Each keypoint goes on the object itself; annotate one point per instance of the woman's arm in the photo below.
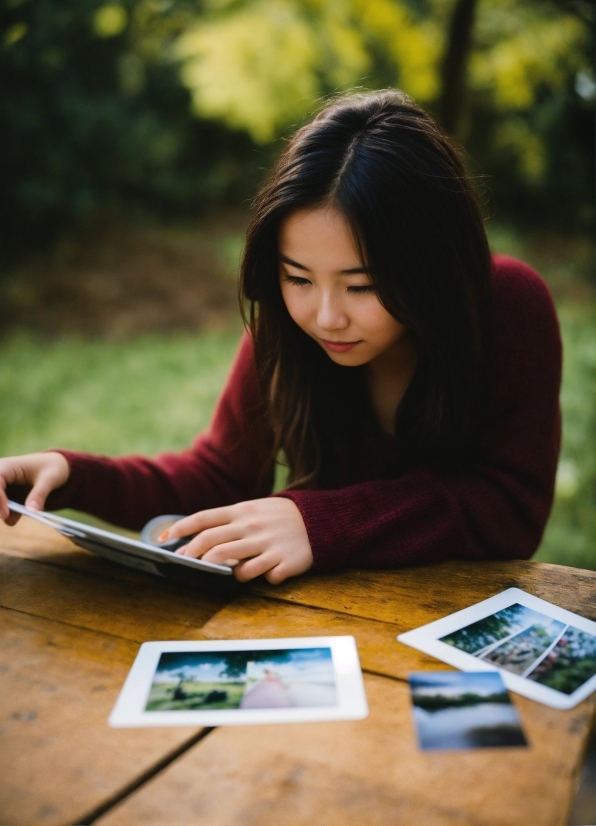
(496, 509)
(226, 464)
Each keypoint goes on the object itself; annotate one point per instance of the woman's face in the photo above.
(328, 293)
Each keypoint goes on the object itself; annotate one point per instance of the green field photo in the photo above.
(194, 696)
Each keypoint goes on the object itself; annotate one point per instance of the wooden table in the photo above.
(71, 627)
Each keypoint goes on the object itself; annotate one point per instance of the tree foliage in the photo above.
(93, 116)
(484, 632)
(265, 66)
(162, 103)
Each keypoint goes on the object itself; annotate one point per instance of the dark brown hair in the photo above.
(387, 167)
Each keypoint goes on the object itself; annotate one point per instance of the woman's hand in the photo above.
(266, 536)
(43, 471)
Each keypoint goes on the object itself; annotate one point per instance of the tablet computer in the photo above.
(131, 552)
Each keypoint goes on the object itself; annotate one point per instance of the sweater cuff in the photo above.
(328, 548)
(68, 495)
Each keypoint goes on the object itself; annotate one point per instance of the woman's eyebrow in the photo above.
(289, 261)
(352, 271)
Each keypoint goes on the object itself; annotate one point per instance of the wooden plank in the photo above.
(59, 758)
(365, 772)
(253, 618)
(155, 609)
(410, 597)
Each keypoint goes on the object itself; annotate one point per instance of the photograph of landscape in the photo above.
(462, 710)
(532, 645)
(210, 680)
(569, 664)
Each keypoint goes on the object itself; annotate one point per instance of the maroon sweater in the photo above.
(495, 509)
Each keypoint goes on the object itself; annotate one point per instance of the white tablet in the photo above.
(118, 548)
(241, 682)
(542, 651)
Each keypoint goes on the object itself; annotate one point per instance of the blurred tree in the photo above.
(93, 116)
(529, 122)
(453, 74)
(97, 97)
(265, 65)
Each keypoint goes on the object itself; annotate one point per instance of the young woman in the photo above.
(409, 382)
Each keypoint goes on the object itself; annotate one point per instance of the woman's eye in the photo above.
(295, 279)
(361, 288)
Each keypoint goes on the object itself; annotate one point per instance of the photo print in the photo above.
(530, 644)
(541, 650)
(243, 680)
(464, 710)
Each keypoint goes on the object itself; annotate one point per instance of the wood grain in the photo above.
(70, 630)
(365, 772)
(138, 611)
(59, 758)
(414, 596)
(379, 652)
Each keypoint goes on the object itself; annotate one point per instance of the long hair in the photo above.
(399, 181)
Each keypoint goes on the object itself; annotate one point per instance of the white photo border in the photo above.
(130, 711)
(427, 639)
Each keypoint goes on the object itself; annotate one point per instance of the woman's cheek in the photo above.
(297, 308)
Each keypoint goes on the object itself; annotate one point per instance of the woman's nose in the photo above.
(330, 314)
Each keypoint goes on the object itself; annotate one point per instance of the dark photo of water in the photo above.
(456, 710)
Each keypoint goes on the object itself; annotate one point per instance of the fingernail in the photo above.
(180, 552)
(33, 506)
(163, 537)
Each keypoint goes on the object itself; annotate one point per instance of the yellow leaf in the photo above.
(15, 33)
(109, 20)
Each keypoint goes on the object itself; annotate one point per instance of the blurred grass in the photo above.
(567, 265)
(146, 395)
(570, 537)
(156, 392)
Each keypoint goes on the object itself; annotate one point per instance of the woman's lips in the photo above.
(339, 346)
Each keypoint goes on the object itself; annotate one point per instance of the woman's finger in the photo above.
(5, 512)
(251, 568)
(197, 522)
(237, 549)
(277, 574)
(208, 539)
(44, 485)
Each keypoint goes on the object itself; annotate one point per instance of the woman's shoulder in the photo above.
(525, 326)
(515, 280)
(519, 293)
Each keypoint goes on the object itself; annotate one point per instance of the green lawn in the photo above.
(161, 696)
(155, 393)
(570, 536)
(150, 394)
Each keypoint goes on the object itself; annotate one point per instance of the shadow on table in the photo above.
(583, 812)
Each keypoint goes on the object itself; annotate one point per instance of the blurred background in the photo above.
(136, 132)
